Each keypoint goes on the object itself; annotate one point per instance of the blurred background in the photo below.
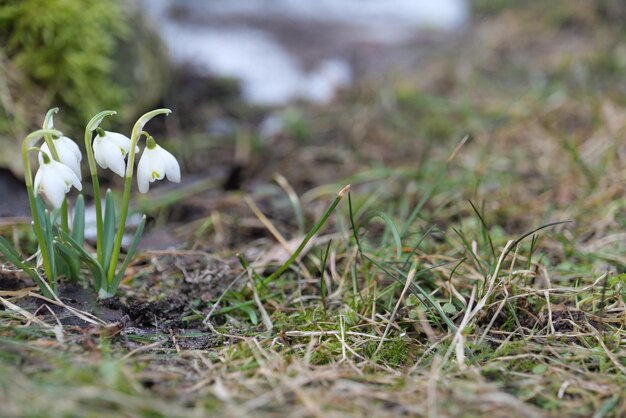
(311, 90)
(221, 66)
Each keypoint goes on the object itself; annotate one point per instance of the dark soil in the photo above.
(177, 290)
(170, 302)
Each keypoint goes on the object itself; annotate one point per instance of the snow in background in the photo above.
(229, 38)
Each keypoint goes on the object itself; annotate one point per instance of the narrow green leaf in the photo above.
(49, 237)
(70, 259)
(13, 256)
(78, 229)
(41, 211)
(96, 269)
(108, 229)
(129, 256)
(61, 267)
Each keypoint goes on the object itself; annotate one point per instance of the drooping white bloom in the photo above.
(54, 180)
(156, 163)
(110, 150)
(68, 151)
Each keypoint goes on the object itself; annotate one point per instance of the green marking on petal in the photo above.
(155, 175)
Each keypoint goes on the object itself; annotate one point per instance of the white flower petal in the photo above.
(43, 149)
(99, 149)
(38, 176)
(71, 146)
(69, 154)
(121, 141)
(172, 168)
(68, 151)
(68, 176)
(115, 161)
(108, 155)
(54, 188)
(54, 180)
(143, 173)
(155, 164)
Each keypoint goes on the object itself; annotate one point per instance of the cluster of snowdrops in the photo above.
(60, 230)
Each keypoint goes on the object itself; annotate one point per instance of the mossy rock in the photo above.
(80, 56)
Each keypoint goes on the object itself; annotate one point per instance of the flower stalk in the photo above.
(128, 182)
(93, 171)
(62, 251)
(27, 145)
(48, 124)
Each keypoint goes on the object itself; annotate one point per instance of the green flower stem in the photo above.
(128, 182)
(27, 143)
(93, 170)
(55, 155)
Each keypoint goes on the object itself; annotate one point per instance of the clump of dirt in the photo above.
(14, 280)
(175, 291)
(561, 318)
(162, 314)
(172, 293)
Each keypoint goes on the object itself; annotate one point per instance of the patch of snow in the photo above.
(268, 73)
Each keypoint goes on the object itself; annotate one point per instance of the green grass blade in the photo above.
(249, 310)
(237, 306)
(323, 290)
(245, 265)
(394, 232)
(355, 230)
(416, 246)
(527, 234)
(485, 230)
(308, 236)
(433, 186)
(418, 291)
(468, 247)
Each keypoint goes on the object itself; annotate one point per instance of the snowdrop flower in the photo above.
(54, 180)
(110, 150)
(68, 151)
(156, 163)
